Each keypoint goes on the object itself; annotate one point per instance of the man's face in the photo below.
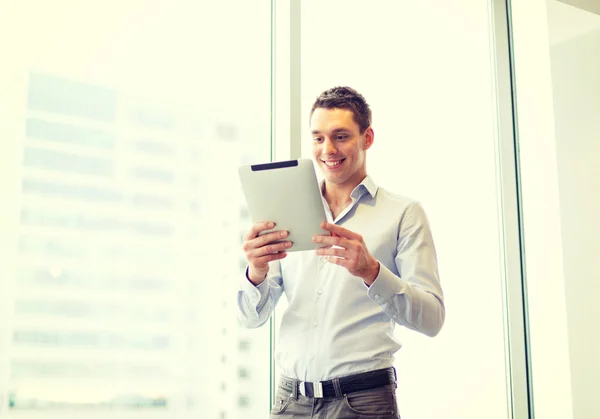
(338, 147)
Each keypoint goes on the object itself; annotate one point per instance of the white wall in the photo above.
(576, 88)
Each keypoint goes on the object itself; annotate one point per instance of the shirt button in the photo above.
(311, 358)
(320, 292)
(376, 296)
(315, 323)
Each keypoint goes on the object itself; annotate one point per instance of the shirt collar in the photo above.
(367, 185)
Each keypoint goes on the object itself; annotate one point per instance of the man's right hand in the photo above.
(259, 252)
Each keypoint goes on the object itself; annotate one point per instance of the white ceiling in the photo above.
(565, 21)
(589, 5)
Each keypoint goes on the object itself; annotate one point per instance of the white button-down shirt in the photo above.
(334, 324)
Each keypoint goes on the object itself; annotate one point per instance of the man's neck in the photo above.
(338, 196)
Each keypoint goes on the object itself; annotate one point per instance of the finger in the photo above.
(328, 240)
(341, 231)
(268, 238)
(335, 241)
(334, 251)
(270, 249)
(257, 228)
(263, 240)
(270, 258)
(338, 261)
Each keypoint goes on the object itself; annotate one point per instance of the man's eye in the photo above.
(317, 139)
(342, 137)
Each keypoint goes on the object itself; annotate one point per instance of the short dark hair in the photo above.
(344, 97)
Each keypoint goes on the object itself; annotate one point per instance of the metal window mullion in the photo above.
(295, 79)
(510, 200)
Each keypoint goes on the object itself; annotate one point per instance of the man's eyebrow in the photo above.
(336, 130)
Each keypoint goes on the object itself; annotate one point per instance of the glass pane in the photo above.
(425, 69)
(559, 114)
(121, 217)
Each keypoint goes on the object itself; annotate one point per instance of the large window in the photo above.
(122, 124)
(430, 86)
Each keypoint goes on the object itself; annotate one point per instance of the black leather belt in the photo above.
(349, 384)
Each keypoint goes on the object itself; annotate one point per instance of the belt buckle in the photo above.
(309, 389)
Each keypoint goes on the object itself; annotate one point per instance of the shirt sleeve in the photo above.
(415, 298)
(257, 302)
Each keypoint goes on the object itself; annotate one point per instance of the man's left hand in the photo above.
(351, 253)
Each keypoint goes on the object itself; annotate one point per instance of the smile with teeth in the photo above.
(333, 163)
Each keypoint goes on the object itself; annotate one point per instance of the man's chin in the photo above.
(335, 179)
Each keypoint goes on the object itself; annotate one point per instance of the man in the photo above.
(375, 270)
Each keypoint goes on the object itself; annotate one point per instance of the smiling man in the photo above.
(376, 270)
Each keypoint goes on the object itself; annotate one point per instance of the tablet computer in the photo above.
(288, 194)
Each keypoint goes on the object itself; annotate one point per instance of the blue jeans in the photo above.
(377, 403)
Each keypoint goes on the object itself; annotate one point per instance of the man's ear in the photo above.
(369, 138)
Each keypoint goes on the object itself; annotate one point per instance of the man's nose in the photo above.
(329, 147)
